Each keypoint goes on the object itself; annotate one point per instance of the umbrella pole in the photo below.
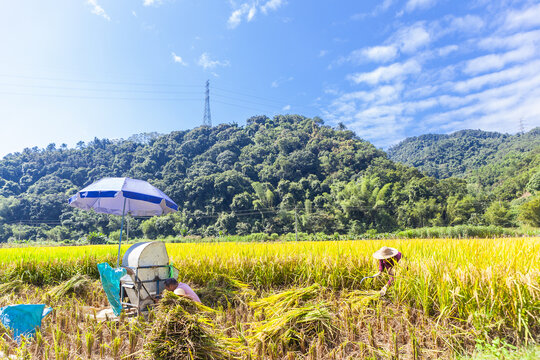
(121, 228)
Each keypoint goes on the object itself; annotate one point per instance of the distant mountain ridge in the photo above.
(462, 152)
(492, 159)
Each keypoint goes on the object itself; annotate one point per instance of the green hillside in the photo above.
(501, 163)
(234, 179)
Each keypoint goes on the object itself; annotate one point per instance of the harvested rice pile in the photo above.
(184, 329)
(11, 287)
(223, 291)
(78, 285)
(293, 320)
(360, 300)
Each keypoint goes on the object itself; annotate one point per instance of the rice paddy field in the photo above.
(288, 301)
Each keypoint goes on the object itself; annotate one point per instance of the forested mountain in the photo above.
(500, 163)
(463, 152)
(237, 180)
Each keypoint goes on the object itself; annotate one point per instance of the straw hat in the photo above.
(385, 253)
(180, 291)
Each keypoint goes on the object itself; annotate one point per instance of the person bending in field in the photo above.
(180, 289)
(388, 257)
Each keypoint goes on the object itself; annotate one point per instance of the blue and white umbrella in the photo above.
(121, 196)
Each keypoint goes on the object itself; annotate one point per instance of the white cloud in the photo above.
(236, 16)
(511, 41)
(396, 71)
(376, 115)
(384, 124)
(286, 108)
(178, 59)
(248, 10)
(444, 51)
(385, 5)
(251, 13)
(467, 23)
(497, 108)
(406, 40)
(280, 81)
(208, 63)
(419, 4)
(519, 87)
(410, 39)
(323, 53)
(379, 9)
(151, 2)
(98, 10)
(380, 53)
(423, 91)
(384, 117)
(271, 5)
(382, 94)
(498, 61)
(527, 17)
(503, 76)
(479, 70)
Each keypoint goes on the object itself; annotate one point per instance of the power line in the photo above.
(98, 97)
(98, 81)
(100, 89)
(128, 98)
(248, 101)
(251, 95)
(88, 97)
(243, 106)
(238, 213)
(267, 99)
(267, 102)
(91, 97)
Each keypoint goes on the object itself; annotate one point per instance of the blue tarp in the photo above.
(23, 319)
(110, 280)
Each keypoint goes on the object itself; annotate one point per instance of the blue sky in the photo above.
(73, 70)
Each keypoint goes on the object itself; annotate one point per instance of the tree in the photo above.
(534, 183)
(529, 212)
(498, 213)
(461, 210)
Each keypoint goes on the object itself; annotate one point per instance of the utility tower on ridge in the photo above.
(207, 120)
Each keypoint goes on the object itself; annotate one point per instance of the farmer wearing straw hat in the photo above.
(388, 257)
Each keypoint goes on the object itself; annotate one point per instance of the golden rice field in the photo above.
(304, 299)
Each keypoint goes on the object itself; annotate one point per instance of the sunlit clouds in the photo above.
(470, 71)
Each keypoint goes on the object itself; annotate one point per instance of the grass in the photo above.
(499, 349)
(302, 300)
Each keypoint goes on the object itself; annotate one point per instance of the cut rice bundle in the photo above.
(182, 330)
(223, 291)
(78, 285)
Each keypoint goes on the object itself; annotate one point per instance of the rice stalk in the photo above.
(78, 284)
